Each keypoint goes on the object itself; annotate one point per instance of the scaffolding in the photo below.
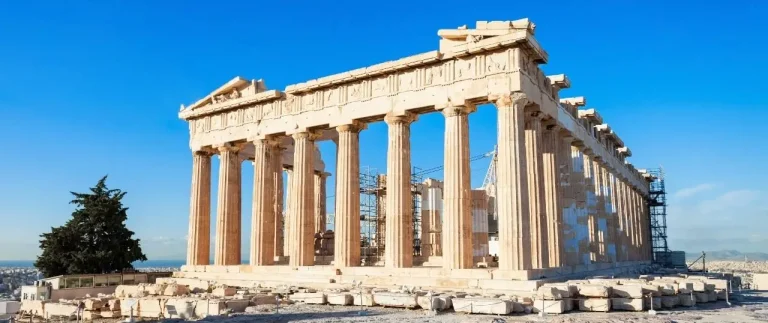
(657, 204)
(371, 194)
(416, 179)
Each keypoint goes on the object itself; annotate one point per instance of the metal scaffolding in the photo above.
(657, 204)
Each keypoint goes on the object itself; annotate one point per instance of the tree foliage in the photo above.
(95, 240)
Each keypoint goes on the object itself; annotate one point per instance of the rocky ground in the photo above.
(738, 268)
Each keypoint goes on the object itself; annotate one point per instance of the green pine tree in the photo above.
(95, 240)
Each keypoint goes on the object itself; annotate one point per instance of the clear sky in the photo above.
(94, 88)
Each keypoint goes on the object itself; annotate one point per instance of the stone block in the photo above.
(666, 289)
(687, 300)
(435, 302)
(91, 315)
(110, 314)
(627, 304)
(712, 296)
(592, 290)
(339, 298)
(701, 297)
(129, 304)
(670, 301)
(627, 291)
(396, 299)
(594, 304)
(150, 308)
(237, 305)
(364, 299)
(224, 291)
(263, 300)
(482, 306)
(549, 306)
(152, 289)
(214, 307)
(309, 298)
(175, 290)
(685, 287)
(652, 302)
(183, 308)
(697, 286)
(718, 283)
(59, 310)
(113, 304)
(568, 303)
(129, 291)
(721, 294)
(92, 304)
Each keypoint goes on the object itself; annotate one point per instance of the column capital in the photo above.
(406, 118)
(588, 152)
(534, 115)
(451, 110)
(323, 174)
(205, 152)
(309, 134)
(354, 126)
(229, 147)
(516, 99)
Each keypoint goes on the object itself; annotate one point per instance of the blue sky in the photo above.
(93, 88)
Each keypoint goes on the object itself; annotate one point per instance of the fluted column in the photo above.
(347, 218)
(263, 221)
(302, 201)
(551, 180)
(579, 190)
(591, 203)
(228, 219)
(457, 198)
(568, 203)
(621, 231)
(432, 210)
(199, 240)
(536, 191)
(398, 250)
(635, 228)
(287, 213)
(614, 223)
(600, 224)
(277, 183)
(511, 184)
(320, 197)
(629, 226)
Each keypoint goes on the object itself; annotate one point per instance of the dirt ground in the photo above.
(747, 307)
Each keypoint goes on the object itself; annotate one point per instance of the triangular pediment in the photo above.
(236, 89)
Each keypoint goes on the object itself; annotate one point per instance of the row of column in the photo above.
(541, 175)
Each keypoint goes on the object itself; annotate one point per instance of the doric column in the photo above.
(398, 250)
(381, 214)
(263, 220)
(277, 183)
(347, 218)
(228, 219)
(199, 241)
(591, 203)
(287, 212)
(512, 184)
(432, 210)
(600, 225)
(551, 181)
(635, 228)
(302, 201)
(320, 197)
(568, 203)
(621, 240)
(629, 221)
(536, 191)
(614, 223)
(579, 188)
(457, 198)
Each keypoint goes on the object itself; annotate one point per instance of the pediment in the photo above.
(236, 89)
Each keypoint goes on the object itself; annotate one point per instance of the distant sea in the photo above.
(138, 264)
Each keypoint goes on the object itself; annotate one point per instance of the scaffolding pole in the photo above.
(657, 204)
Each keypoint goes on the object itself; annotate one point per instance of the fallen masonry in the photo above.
(169, 299)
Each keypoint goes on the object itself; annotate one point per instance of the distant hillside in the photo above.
(728, 255)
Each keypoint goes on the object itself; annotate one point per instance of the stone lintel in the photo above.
(578, 101)
(624, 151)
(591, 114)
(559, 82)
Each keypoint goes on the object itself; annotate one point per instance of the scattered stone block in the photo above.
(396, 299)
(129, 291)
(92, 304)
(712, 296)
(183, 308)
(364, 299)
(91, 315)
(666, 289)
(685, 287)
(718, 283)
(152, 289)
(627, 304)
(113, 304)
(435, 302)
(594, 304)
(593, 290)
(701, 297)
(482, 306)
(721, 294)
(309, 298)
(237, 305)
(549, 306)
(568, 303)
(58, 310)
(627, 291)
(128, 304)
(339, 298)
(224, 291)
(687, 300)
(263, 300)
(709, 287)
(150, 308)
(175, 290)
(110, 314)
(670, 301)
(653, 302)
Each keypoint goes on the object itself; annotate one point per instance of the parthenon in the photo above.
(566, 199)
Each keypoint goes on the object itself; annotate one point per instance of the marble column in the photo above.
(579, 188)
(432, 210)
(321, 220)
(228, 219)
(347, 218)
(589, 177)
(629, 226)
(551, 181)
(263, 217)
(633, 223)
(536, 191)
(512, 184)
(301, 220)
(398, 250)
(568, 203)
(381, 212)
(600, 224)
(199, 241)
(615, 223)
(287, 212)
(457, 198)
(277, 183)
